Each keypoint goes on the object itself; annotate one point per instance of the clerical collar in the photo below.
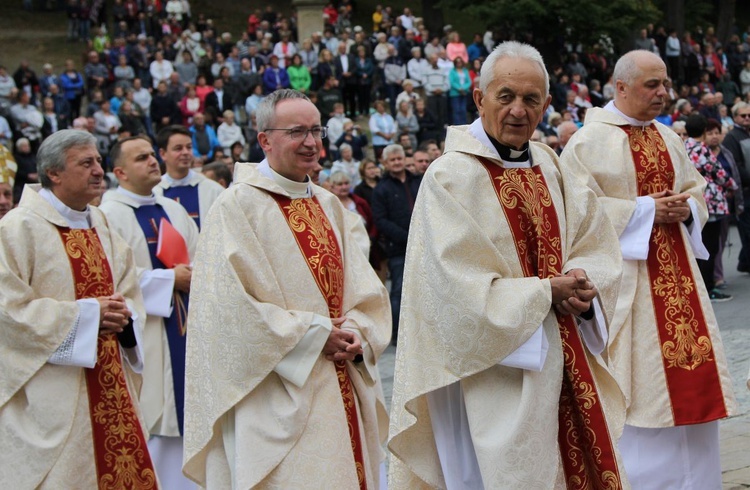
(296, 190)
(508, 154)
(75, 219)
(611, 107)
(140, 200)
(179, 182)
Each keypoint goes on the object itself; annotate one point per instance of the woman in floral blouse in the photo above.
(719, 185)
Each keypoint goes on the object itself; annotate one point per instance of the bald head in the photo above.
(565, 131)
(641, 85)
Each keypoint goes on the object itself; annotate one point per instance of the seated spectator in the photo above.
(429, 128)
(229, 133)
(299, 75)
(251, 103)
(406, 123)
(26, 172)
(217, 101)
(383, 128)
(354, 137)
(204, 138)
(347, 164)
(340, 185)
(189, 105)
(27, 120)
(275, 77)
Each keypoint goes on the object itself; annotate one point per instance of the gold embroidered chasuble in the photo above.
(638, 353)
(252, 300)
(468, 304)
(45, 422)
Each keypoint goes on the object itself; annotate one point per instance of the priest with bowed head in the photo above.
(665, 348)
(511, 276)
(71, 350)
(287, 322)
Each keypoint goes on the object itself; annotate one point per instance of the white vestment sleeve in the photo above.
(134, 355)
(635, 237)
(157, 286)
(297, 365)
(79, 347)
(450, 427)
(531, 355)
(594, 331)
(694, 233)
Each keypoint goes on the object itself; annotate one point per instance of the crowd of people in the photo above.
(165, 112)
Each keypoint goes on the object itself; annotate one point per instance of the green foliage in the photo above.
(549, 21)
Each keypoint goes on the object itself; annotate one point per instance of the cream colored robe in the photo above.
(466, 306)
(157, 393)
(208, 190)
(45, 426)
(253, 299)
(634, 347)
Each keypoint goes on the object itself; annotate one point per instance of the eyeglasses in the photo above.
(300, 134)
(743, 115)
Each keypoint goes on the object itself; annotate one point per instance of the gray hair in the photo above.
(345, 146)
(338, 176)
(678, 125)
(627, 69)
(53, 151)
(738, 107)
(511, 49)
(265, 112)
(388, 150)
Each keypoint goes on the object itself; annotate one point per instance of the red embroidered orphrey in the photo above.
(585, 444)
(685, 342)
(319, 246)
(120, 449)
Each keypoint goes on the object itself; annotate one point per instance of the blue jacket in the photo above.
(71, 88)
(212, 139)
(269, 79)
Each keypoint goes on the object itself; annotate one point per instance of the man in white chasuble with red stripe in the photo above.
(511, 273)
(665, 348)
(71, 316)
(287, 321)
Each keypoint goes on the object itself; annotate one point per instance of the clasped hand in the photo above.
(671, 207)
(572, 293)
(113, 313)
(342, 345)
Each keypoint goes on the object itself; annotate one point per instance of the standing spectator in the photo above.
(27, 168)
(310, 61)
(284, 50)
(251, 103)
(84, 20)
(189, 106)
(61, 106)
(394, 71)
(164, 110)
(299, 75)
(382, 128)
(7, 86)
(735, 201)
(335, 126)
(416, 68)
(673, 55)
(354, 137)
(459, 92)
(204, 140)
(347, 164)
(96, 73)
(456, 49)
(160, 69)
(131, 122)
(392, 206)
(229, 133)
(48, 78)
(369, 174)
(187, 70)
(326, 67)
(106, 125)
(27, 120)
(436, 87)
(6, 134)
(346, 76)
(72, 84)
(645, 42)
(26, 80)
(365, 70)
(408, 94)
(737, 141)
(328, 96)
(406, 123)
(53, 122)
(745, 79)
(477, 49)
(429, 127)
(124, 73)
(217, 101)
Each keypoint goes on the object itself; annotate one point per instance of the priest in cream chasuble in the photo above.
(665, 348)
(511, 273)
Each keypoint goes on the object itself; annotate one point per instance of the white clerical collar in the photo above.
(296, 190)
(476, 129)
(75, 219)
(611, 107)
(179, 182)
(140, 200)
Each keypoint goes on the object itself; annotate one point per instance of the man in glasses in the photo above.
(287, 322)
(737, 141)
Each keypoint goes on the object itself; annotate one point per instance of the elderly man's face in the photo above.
(395, 163)
(742, 118)
(292, 158)
(514, 102)
(81, 179)
(6, 198)
(645, 97)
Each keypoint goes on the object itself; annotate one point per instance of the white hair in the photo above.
(395, 148)
(511, 49)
